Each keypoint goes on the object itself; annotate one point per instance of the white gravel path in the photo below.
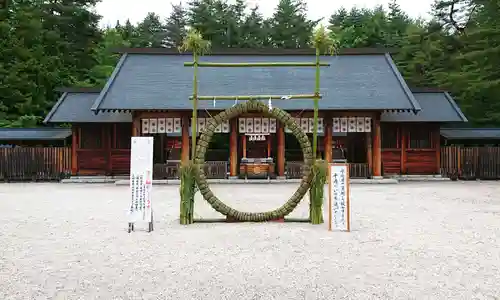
(409, 241)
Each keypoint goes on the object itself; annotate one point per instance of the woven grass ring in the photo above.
(204, 141)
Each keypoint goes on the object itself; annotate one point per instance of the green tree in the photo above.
(290, 27)
(175, 26)
(151, 32)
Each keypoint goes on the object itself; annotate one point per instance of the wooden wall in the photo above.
(101, 148)
(411, 149)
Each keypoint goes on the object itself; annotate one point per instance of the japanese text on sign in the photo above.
(339, 197)
(141, 167)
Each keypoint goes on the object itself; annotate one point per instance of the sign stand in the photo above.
(339, 206)
(150, 225)
(141, 182)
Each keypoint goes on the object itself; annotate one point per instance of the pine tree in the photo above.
(290, 26)
(175, 26)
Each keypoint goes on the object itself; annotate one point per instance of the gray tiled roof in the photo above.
(74, 107)
(471, 133)
(436, 107)
(352, 82)
(11, 134)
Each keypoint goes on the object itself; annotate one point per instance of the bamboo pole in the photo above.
(259, 97)
(255, 64)
(194, 121)
(316, 106)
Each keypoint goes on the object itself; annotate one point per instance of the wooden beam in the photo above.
(404, 138)
(185, 139)
(328, 138)
(159, 114)
(280, 155)
(74, 146)
(377, 151)
(233, 147)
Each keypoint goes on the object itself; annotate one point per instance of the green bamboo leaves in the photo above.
(194, 43)
(324, 41)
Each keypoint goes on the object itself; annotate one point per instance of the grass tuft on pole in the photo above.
(316, 193)
(194, 43)
(322, 41)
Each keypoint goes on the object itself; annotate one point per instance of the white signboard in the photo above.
(141, 177)
(339, 206)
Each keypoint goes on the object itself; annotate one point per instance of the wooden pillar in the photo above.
(136, 125)
(369, 152)
(437, 145)
(244, 145)
(74, 146)
(403, 134)
(233, 147)
(280, 155)
(268, 146)
(107, 135)
(185, 139)
(328, 138)
(377, 151)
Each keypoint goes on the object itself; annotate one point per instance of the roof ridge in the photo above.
(402, 82)
(256, 51)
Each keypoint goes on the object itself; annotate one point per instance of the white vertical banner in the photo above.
(339, 199)
(141, 179)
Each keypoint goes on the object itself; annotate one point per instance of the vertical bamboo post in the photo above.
(185, 139)
(316, 104)
(194, 120)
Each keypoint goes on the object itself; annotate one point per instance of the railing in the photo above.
(356, 170)
(170, 170)
(470, 163)
(359, 170)
(35, 164)
(293, 169)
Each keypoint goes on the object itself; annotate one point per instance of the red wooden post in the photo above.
(281, 150)
(74, 146)
(377, 152)
(233, 147)
(437, 145)
(404, 139)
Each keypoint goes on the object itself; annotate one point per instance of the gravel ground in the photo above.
(409, 241)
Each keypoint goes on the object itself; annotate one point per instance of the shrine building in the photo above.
(368, 115)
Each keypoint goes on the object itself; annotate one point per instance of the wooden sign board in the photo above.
(339, 209)
(141, 177)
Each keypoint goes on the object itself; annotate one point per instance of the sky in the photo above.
(136, 10)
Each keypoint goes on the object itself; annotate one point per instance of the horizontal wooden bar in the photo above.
(255, 64)
(258, 97)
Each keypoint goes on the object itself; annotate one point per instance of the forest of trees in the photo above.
(46, 44)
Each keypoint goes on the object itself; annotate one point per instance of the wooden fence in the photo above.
(356, 170)
(170, 170)
(35, 164)
(470, 163)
